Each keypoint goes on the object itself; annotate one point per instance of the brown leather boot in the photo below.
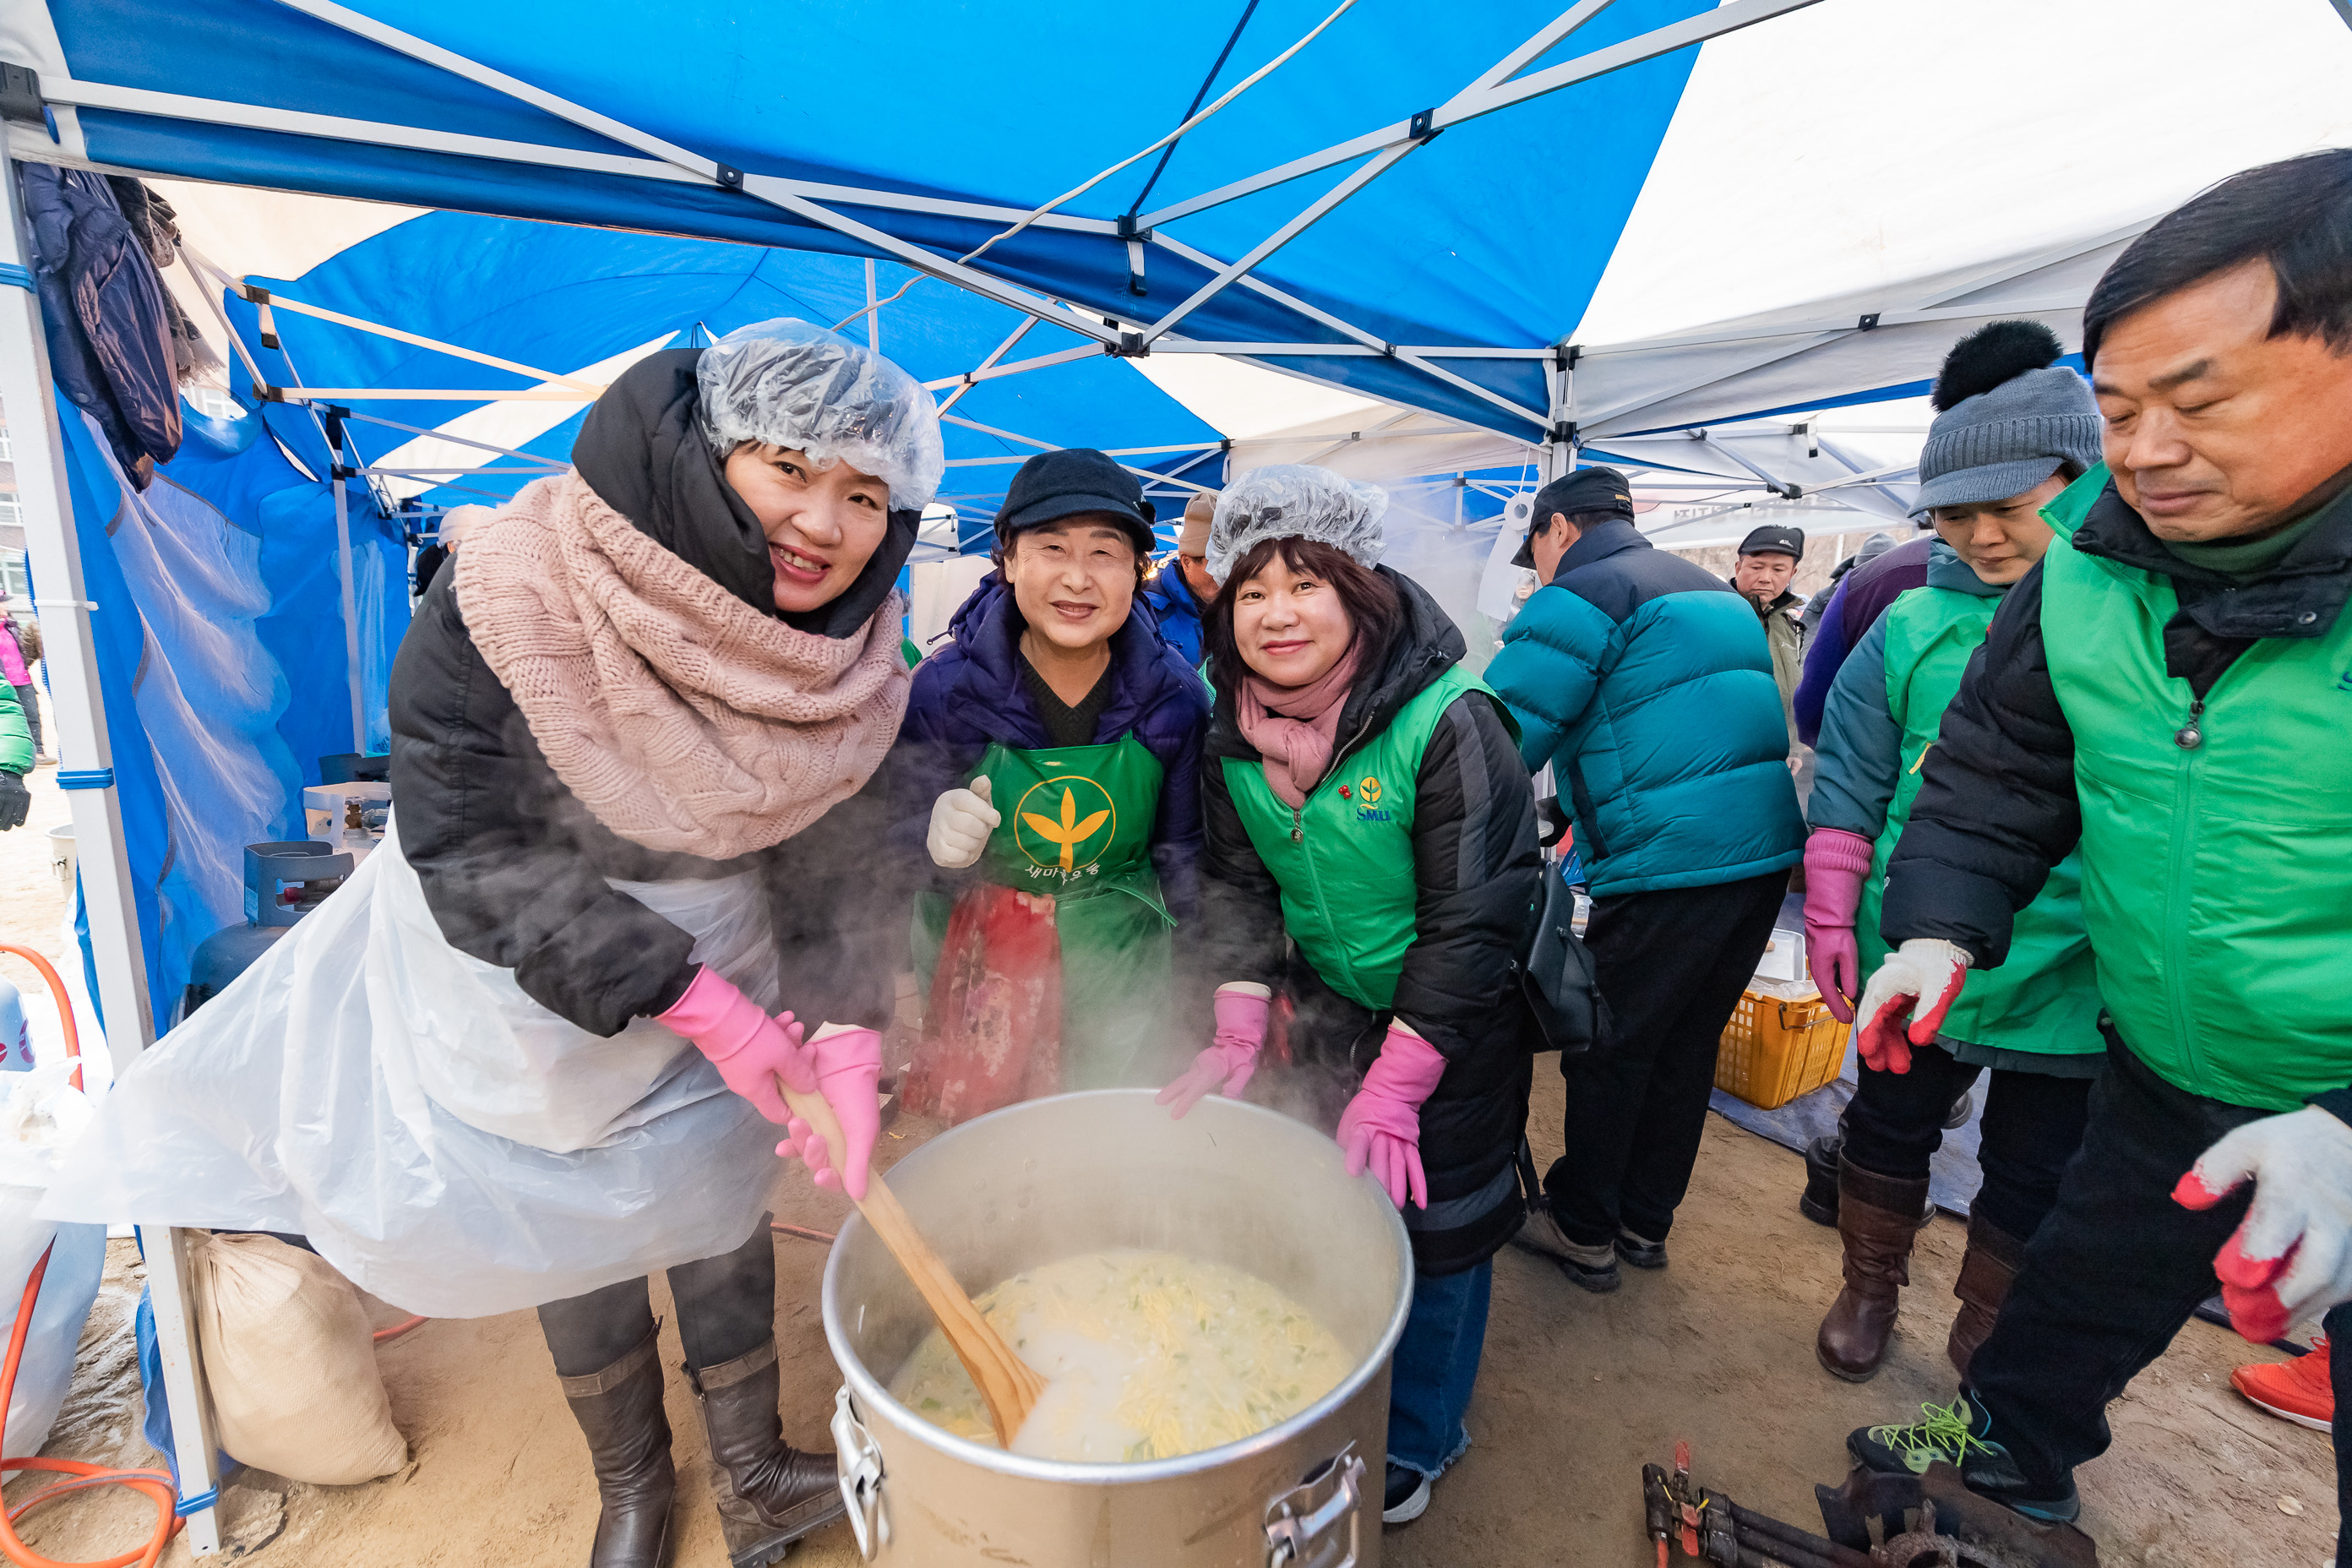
(1877, 1218)
(769, 1494)
(1987, 1272)
(620, 1411)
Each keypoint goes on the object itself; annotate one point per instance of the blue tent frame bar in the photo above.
(83, 747)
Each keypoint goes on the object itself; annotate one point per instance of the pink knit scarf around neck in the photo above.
(1294, 727)
(685, 718)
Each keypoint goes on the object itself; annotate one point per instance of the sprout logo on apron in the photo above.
(1063, 824)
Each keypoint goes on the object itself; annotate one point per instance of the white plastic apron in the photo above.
(446, 1141)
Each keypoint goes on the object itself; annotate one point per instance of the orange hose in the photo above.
(57, 994)
(385, 1336)
(154, 1483)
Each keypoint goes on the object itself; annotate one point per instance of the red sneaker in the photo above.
(2297, 1391)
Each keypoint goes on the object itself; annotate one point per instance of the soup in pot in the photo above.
(1147, 1355)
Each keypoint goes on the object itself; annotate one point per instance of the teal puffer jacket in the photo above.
(1645, 681)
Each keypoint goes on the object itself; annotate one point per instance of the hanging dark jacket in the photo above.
(109, 322)
(514, 867)
(968, 692)
(1476, 871)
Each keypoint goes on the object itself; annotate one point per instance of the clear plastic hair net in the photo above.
(788, 382)
(1296, 501)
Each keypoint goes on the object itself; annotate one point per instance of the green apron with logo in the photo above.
(1077, 829)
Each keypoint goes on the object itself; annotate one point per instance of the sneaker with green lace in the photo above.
(1960, 1434)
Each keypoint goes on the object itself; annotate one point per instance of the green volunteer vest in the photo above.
(2213, 874)
(2045, 997)
(1077, 827)
(1344, 861)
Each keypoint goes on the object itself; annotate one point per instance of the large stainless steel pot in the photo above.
(1233, 1183)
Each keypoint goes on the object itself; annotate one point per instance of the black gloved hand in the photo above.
(15, 799)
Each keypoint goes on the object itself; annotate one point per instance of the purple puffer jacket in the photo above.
(1854, 606)
(971, 692)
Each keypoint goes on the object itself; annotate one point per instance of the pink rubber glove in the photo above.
(750, 1049)
(1381, 1128)
(2291, 1257)
(1836, 863)
(848, 1069)
(1232, 1057)
(1921, 968)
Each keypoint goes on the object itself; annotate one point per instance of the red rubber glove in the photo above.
(1921, 968)
(750, 1049)
(2291, 1254)
(1836, 864)
(1232, 1057)
(1381, 1128)
(848, 1069)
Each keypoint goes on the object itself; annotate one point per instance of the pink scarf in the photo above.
(681, 717)
(1294, 727)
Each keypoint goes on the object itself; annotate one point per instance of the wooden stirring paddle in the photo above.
(1008, 1384)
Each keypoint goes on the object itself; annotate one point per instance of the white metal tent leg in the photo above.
(350, 605)
(194, 1444)
(87, 761)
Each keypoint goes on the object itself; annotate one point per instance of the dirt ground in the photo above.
(1576, 1392)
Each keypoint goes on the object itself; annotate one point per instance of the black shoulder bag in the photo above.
(1556, 973)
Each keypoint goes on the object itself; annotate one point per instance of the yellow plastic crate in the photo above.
(1775, 1049)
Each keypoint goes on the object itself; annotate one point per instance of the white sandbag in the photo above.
(291, 1360)
(42, 1115)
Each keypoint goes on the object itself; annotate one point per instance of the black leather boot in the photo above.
(620, 1412)
(769, 1494)
(1820, 1200)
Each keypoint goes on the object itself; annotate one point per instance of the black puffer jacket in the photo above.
(1477, 871)
(514, 867)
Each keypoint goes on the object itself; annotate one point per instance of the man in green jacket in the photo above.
(2170, 690)
(16, 761)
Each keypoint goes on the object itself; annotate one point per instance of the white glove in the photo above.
(962, 821)
(2291, 1257)
(1923, 972)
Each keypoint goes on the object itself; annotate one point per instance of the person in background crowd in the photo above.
(1847, 612)
(1645, 683)
(1178, 598)
(1768, 560)
(2014, 430)
(1371, 853)
(1877, 545)
(1047, 777)
(2165, 694)
(20, 649)
(16, 762)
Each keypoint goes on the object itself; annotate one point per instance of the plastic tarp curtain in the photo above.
(220, 648)
(587, 302)
(1494, 232)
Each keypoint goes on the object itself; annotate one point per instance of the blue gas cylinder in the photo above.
(283, 880)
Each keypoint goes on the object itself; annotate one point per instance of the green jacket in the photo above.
(1883, 714)
(2214, 828)
(16, 735)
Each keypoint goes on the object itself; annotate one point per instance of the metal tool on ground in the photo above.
(1008, 1384)
(1874, 1521)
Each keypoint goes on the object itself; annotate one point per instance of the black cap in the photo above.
(1054, 485)
(1585, 490)
(1774, 539)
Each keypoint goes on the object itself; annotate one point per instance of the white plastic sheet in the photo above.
(442, 1140)
(40, 1117)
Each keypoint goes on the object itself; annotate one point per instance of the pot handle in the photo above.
(858, 1459)
(1303, 1525)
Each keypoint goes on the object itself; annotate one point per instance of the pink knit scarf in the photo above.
(1294, 727)
(683, 718)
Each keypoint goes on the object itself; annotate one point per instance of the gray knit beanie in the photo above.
(2010, 416)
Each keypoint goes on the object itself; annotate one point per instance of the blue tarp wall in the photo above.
(218, 622)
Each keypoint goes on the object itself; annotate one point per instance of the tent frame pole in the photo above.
(85, 770)
(336, 472)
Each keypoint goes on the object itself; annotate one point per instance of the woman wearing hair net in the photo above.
(1372, 856)
(532, 1050)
